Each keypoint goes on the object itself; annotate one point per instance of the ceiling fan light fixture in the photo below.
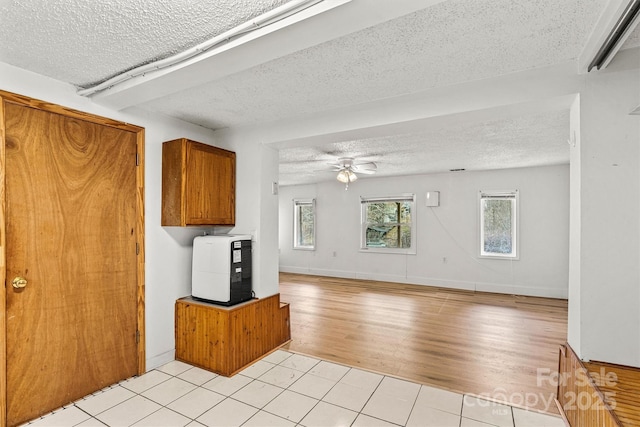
(346, 168)
(346, 176)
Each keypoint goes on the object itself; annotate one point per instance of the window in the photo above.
(304, 224)
(388, 224)
(498, 224)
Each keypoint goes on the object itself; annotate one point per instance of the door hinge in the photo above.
(138, 336)
(137, 159)
(137, 248)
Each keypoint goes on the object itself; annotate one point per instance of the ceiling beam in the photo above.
(258, 47)
(527, 92)
(560, 103)
(607, 21)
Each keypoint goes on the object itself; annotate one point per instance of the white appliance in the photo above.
(221, 269)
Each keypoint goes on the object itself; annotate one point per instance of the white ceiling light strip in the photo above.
(278, 14)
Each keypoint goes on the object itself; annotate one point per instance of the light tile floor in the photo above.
(283, 389)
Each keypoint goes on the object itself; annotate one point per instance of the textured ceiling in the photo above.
(472, 146)
(452, 42)
(440, 46)
(84, 42)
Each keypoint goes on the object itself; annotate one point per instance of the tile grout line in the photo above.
(258, 410)
(413, 405)
(290, 385)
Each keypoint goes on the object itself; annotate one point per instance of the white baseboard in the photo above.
(296, 270)
(318, 272)
(332, 273)
(442, 283)
(530, 291)
(381, 277)
(498, 288)
(160, 359)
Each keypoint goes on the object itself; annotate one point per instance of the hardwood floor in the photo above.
(490, 345)
(620, 385)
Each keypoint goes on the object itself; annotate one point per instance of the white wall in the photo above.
(575, 227)
(606, 326)
(449, 231)
(256, 206)
(168, 249)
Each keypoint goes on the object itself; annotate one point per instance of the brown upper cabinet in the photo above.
(198, 184)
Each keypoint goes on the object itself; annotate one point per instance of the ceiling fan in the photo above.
(347, 168)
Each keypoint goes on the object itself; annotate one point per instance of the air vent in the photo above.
(457, 170)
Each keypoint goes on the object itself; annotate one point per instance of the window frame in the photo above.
(297, 203)
(514, 196)
(405, 197)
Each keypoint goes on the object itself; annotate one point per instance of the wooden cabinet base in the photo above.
(226, 339)
(580, 400)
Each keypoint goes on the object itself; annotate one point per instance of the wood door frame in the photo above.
(8, 97)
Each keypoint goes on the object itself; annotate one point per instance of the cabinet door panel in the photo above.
(210, 186)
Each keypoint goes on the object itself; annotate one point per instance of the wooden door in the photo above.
(71, 231)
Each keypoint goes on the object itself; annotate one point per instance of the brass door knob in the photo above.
(19, 282)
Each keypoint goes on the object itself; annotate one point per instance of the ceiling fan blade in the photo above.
(366, 168)
(366, 165)
(366, 172)
(348, 164)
